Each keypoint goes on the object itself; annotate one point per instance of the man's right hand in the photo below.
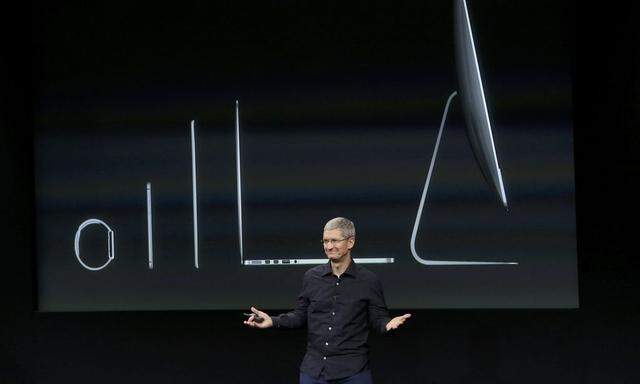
(265, 323)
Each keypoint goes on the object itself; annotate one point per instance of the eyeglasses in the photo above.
(326, 242)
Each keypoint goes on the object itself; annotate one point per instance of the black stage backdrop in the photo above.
(593, 344)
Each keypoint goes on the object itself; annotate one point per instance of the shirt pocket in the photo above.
(354, 306)
(320, 305)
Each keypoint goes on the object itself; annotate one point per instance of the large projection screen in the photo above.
(189, 158)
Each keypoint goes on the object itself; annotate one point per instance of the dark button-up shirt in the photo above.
(338, 312)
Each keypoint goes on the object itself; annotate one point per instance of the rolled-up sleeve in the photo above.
(378, 312)
(298, 317)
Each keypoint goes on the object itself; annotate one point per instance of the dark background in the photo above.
(594, 344)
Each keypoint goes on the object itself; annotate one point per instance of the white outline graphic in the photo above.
(416, 224)
(149, 227)
(239, 184)
(476, 83)
(364, 260)
(111, 252)
(195, 194)
(503, 195)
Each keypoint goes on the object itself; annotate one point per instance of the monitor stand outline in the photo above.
(416, 224)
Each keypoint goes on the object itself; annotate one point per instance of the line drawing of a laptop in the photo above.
(283, 261)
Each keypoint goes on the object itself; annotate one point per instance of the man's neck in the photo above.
(339, 266)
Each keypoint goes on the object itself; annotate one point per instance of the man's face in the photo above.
(336, 246)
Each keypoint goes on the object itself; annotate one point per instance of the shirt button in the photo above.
(333, 313)
(326, 343)
(329, 328)
(324, 357)
(337, 283)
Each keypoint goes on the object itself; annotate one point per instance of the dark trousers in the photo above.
(363, 377)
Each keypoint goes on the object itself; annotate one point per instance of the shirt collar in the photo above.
(351, 269)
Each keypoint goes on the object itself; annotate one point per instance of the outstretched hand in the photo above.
(254, 320)
(397, 321)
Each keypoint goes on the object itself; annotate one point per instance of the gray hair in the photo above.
(345, 226)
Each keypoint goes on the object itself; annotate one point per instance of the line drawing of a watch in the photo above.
(111, 253)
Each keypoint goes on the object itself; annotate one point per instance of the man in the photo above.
(339, 303)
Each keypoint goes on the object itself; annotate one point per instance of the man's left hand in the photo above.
(397, 321)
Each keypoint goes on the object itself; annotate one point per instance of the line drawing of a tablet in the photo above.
(239, 185)
(478, 127)
(194, 192)
(149, 227)
(284, 261)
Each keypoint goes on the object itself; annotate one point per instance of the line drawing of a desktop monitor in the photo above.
(478, 127)
(276, 261)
